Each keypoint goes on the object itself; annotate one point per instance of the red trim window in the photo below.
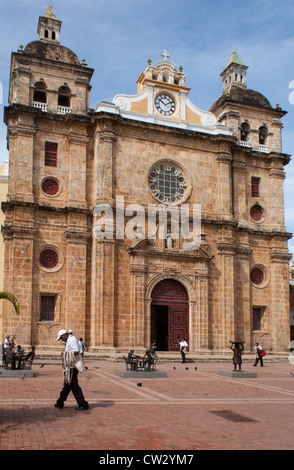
(51, 154)
(255, 186)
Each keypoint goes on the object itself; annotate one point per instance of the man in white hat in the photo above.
(70, 372)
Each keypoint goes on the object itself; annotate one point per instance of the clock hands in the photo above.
(167, 105)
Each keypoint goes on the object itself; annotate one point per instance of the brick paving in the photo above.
(188, 410)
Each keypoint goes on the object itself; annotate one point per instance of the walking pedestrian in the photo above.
(82, 347)
(70, 356)
(258, 351)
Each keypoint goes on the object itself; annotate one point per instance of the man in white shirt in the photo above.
(71, 345)
(183, 349)
(258, 350)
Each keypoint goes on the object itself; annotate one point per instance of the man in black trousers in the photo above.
(70, 372)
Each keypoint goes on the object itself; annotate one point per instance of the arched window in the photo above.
(40, 92)
(46, 34)
(53, 35)
(262, 135)
(245, 128)
(64, 96)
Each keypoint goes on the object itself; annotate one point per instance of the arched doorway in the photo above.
(169, 315)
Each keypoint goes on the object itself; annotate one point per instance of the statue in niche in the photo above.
(169, 241)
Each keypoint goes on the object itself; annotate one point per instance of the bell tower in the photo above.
(49, 27)
(234, 73)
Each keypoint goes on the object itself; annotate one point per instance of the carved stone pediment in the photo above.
(159, 248)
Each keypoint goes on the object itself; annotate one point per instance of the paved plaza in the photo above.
(190, 409)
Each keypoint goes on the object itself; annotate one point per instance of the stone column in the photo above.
(77, 168)
(18, 279)
(243, 295)
(21, 136)
(280, 307)
(224, 160)
(277, 219)
(200, 340)
(103, 166)
(240, 209)
(76, 280)
(226, 317)
(139, 331)
(103, 306)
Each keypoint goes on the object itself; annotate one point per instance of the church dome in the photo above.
(242, 95)
(246, 96)
(51, 51)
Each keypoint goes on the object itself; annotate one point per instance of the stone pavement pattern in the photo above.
(189, 410)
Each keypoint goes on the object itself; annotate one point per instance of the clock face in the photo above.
(165, 104)
(167, 183)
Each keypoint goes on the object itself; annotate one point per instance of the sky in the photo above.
(117, 37)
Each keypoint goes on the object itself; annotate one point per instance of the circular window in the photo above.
(257, 276)
(256, 213)
(260, 276)
(50, 186)
(49, 259)
(167, 183)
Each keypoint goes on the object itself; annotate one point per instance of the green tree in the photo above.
(12, 299)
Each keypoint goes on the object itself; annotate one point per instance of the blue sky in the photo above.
(117, 37)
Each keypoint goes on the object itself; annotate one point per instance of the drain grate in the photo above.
(231, 416)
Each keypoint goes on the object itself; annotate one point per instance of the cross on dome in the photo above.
(165, 55)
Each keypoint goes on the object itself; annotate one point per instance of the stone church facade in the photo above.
(70, 166)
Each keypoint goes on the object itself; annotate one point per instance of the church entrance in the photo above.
(169, 315)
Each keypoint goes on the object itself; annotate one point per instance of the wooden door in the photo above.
(173, 296)
(178, 326)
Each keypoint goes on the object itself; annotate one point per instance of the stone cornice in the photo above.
(34, 205)
(199, 132)
(280, 256)
(75, 236)
(18, 231)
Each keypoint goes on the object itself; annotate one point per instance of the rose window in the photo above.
(256, 213)
(49, 259)
(167, 183)
(257, 276)
(50, 186)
